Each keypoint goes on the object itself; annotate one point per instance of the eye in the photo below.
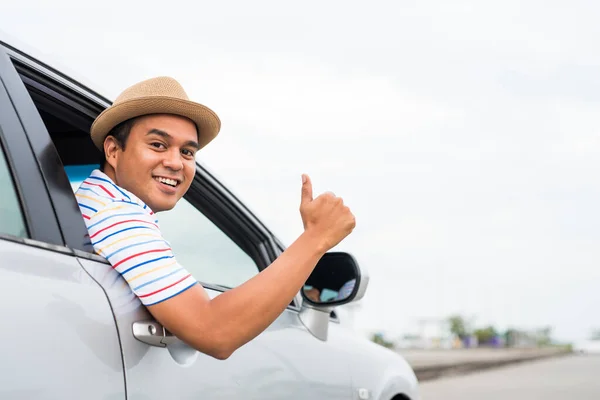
(158, 145)
(188, 153)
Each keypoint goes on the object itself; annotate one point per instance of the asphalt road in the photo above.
(566, 377)
(434, 358)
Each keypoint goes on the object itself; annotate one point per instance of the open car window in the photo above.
(198, 244)
(59, 113)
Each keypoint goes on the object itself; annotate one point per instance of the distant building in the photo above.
(429, 333)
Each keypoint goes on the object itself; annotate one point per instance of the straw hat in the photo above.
(161, 95)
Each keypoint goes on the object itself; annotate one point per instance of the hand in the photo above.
(326, 217)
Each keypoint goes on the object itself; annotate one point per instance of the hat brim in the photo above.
(206, 120)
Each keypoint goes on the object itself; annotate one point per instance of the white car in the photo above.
(72, 327)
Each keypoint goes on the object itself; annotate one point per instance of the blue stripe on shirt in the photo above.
(173, 295)
(112, 184)
(122, 230)
(133, 245)
(146, 262)
(127, 202)
(84, 206)
(157, 279)
(112, 216)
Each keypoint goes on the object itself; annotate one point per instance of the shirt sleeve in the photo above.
(130, 239)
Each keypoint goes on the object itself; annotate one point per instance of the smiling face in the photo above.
(157, 163)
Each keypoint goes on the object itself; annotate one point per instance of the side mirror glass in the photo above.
(334, 281)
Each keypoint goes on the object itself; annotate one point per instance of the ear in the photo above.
(111, 150)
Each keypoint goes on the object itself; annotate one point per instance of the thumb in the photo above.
(307, 192)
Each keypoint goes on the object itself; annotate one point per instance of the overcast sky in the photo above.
(464, 135)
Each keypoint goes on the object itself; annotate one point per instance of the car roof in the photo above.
(51, 62)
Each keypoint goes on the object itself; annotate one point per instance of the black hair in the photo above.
(120, 133)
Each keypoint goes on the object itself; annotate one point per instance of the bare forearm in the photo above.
(247, 310)
(220, 326)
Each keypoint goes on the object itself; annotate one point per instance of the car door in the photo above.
(223, 248)
(213, 235)
(59, 338)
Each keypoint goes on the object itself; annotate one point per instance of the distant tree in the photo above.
(595, 334)
(512, 336)
(458, 326)
(485, 335)
(380, 340)
(544, 336)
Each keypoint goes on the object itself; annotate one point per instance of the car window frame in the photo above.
(23, 76)
(38, 213)
(222, 207)
(272, 246)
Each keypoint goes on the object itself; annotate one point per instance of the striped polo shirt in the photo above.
(125, 231)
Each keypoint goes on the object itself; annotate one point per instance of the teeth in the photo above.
(170, 182)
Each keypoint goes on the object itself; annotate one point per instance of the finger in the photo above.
(307, 192)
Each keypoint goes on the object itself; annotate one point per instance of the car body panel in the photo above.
(382, 371)
(283, 361)
(61, 341)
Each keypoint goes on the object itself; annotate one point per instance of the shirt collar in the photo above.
(119, 192)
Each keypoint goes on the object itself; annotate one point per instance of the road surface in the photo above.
(435, 358)
(566, 377)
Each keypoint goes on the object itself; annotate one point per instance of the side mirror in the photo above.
(336, 280)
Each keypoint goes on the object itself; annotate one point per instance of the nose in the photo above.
(172, 160)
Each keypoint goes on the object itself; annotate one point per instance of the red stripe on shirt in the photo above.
(139, 254)
(85, 216)
(101, 187)
(165, 288)
(122, 222)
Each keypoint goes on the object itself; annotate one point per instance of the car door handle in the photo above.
(152, 333)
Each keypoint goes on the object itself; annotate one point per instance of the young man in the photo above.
(149, 137)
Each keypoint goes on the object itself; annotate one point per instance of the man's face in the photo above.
(158, 162)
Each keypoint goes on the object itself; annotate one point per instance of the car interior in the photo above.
(67, 118)
(74, 148)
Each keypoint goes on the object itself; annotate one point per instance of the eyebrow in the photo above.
(165, 135)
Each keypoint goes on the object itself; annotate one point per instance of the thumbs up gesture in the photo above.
(326, 217)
